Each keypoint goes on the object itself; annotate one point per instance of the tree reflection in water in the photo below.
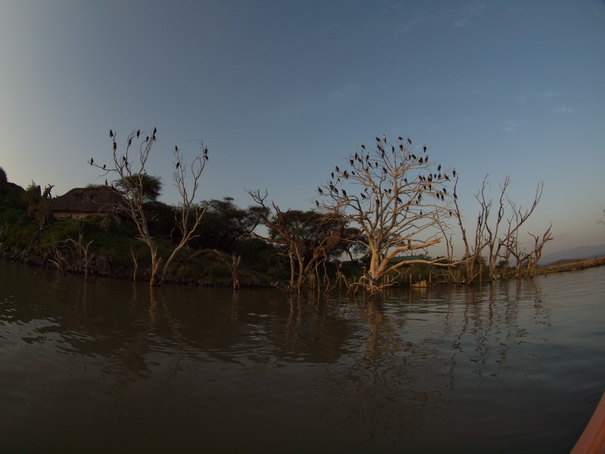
(440, 369)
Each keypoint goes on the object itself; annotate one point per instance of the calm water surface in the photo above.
(105, 366)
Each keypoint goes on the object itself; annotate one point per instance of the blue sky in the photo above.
(282, 91)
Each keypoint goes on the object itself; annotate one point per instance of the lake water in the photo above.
(105, 366)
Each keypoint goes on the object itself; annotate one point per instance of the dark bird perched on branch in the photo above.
(115, 146)
(92, 161)
(155, 130)
(363, 147)
(409, 141)
(377, 139)
(317, 203)
(454, 172)
(424, 148)
(176, 149)
(104, 166)
(206, 153)
(178, 163)
(111, 133)
(319, 190)
(138, 133)
(344, 192)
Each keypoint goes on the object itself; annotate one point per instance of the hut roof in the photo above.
(99, 199)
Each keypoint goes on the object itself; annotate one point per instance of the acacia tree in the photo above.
(397, 197)
(308, 237)
(131, 170)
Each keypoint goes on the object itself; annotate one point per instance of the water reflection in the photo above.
(495, 368)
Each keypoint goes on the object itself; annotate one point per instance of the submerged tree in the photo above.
(138, 187)
(494, 241)
(397, 197)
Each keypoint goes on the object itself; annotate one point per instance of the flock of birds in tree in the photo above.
(137, 134)
(363, 166)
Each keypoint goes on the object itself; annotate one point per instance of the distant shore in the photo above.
(570, 265)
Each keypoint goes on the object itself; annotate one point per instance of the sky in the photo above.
(282, 91)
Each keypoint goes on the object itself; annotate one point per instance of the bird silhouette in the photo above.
(319, 190)
(344, 192)
(92, 161)
(177, 165)
(111, 133)
(176, 149)
(138, 133)
(115, 146)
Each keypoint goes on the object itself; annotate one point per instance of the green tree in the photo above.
(149, 185)
(38, 203)
(308, 238)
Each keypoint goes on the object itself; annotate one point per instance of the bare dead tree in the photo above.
(131, 170)
(72, 255)
(539, 243)
(397, 198)
(490, 240)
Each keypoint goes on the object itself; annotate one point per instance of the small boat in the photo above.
(592, 440)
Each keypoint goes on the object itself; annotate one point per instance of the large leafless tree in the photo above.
(397, 197)
(130, 167)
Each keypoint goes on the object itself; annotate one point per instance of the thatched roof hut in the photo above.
(82, 202)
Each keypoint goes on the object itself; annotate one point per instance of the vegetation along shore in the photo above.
(372, 226)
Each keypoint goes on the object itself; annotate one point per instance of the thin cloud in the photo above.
(562, 109)
(467, 15)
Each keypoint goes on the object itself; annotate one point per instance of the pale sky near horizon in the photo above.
(282, 91)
